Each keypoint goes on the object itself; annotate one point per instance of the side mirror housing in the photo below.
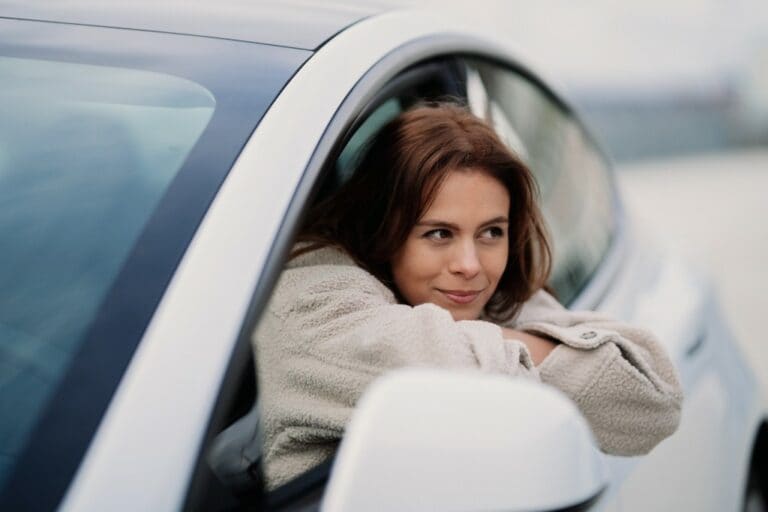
(439, 440)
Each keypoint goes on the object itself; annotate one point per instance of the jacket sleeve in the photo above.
(327, 333)
(350, 321)
(619, 376)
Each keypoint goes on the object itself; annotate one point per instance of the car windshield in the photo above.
(113, 144)
(86, 152)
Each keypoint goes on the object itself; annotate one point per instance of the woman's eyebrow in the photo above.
(437, 224)
(443, 224)
(496, 220)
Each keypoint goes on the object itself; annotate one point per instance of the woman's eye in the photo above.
(493, 232)
(438, 234)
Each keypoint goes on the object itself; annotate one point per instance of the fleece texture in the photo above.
(331, 328)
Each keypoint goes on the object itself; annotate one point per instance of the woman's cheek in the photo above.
(496, 262)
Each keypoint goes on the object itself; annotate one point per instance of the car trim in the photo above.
(586, 504)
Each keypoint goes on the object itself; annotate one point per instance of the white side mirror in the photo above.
(438, 440)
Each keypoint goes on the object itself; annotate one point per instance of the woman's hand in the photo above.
(538, 346)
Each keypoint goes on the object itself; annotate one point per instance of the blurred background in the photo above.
(677, 93)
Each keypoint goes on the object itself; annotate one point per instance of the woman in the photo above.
(435, 254)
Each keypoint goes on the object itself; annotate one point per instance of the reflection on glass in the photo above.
(85, 154)
(574, 185)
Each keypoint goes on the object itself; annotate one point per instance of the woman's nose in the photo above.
(464, 260)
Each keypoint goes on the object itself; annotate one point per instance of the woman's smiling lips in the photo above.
(461, 296)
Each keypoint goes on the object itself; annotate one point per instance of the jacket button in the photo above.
(588, 335)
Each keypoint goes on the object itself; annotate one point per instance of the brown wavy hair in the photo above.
(395, 181)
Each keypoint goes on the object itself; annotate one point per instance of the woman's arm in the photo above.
(345, 317)
(619, 375)
(327, 333)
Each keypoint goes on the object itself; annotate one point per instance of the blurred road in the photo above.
(714, 208)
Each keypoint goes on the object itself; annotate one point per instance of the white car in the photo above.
(155, 163)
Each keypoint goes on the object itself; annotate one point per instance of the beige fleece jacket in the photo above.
(331, 328)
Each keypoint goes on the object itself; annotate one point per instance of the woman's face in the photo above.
(457, 252)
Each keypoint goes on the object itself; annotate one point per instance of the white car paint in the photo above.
(519, 445)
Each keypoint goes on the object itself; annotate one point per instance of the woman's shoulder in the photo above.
(311, 254)
(326, 269)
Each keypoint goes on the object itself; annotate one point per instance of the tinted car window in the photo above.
(113, 143)
(345, 165)
(85, 154)
(575, 186)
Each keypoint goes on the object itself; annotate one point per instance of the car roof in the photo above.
(293, 23)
